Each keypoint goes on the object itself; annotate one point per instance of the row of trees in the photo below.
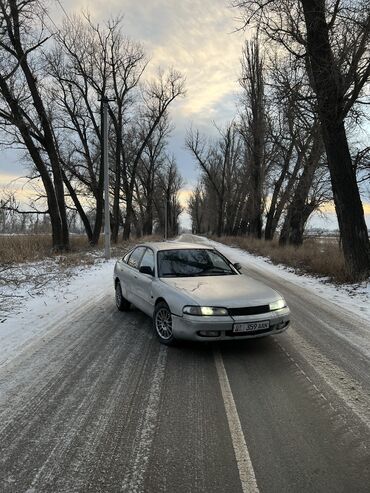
(52, 81)
(288, 151)
(267, 168)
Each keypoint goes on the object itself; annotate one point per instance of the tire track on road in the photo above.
(347, 388)
(73, 397)
(136, 468)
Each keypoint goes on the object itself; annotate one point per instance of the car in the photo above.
(194, 292)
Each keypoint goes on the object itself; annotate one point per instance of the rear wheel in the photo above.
(122, 304)
(162, 322)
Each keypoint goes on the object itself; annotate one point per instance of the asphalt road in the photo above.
(98, 405)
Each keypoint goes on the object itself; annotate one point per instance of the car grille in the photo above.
(249, 310)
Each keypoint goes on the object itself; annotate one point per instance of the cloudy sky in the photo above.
(198, 38)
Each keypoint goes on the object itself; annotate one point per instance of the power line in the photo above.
(51, 20)
(64, 11)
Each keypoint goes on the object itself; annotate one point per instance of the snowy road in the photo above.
(91, 402)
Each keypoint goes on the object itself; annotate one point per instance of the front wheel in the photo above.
(162, 321)
(122, 304)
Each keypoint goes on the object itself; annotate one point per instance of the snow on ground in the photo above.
(50, 301)
(353, 298)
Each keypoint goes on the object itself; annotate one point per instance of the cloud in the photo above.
(184, 195)
(329, 208)
(194, 36)
(23, 190)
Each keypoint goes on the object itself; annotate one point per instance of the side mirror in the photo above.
(145, 269)
(237, 266)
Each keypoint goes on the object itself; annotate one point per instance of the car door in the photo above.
(130, 274)
(144, 283)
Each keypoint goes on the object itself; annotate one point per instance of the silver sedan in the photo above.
(194, 292)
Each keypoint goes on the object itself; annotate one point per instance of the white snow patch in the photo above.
(41, 310)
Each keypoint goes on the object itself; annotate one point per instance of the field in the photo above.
(319, 255)
(35, 247)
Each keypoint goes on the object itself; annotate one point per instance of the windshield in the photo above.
(192, 263)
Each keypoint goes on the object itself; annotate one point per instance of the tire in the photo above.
(122, 304)
(162, 324)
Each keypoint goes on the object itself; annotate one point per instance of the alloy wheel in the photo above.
(163, 323)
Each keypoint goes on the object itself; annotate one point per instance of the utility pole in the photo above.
(104, 102)
(165, 218)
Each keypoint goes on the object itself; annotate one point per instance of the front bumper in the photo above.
(196, 328)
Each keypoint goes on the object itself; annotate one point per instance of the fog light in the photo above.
(281, 325)
(209, 333)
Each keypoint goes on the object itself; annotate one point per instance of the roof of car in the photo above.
(174, 245)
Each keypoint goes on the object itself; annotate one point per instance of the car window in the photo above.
(192, 263)
(148, 259)
(135, 257)
(127, 256)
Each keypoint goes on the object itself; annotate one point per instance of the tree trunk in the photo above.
(117, 184)
(299, 210)
(328, 86)
(220, 215)
(116, 209)
(128, 220)
(99, 197)
(148, 218)
(49, 142)
(298, 224)
(79, 207)
(348, 205)
(273, 216)
(58, 234)
(55, 220)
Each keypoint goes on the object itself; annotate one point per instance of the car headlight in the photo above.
(277, 305)
(205, 310)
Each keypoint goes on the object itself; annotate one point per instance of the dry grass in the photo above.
(316, 257)
(31, 248)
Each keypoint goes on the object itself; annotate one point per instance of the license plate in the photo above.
(251, 326)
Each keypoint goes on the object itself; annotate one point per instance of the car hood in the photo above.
(227, 291)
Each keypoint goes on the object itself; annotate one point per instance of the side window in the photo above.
(127, 256)
(148, 259)
(135, 257)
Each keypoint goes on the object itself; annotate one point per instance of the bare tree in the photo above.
(218, 161)
(85, 66)
(152, 161)
(298, 144)
(253, 130)
(300, 207)
(22, 102)
(157, 97)
(196, 208)
(128, 62)
(166, 200)
(333, 40)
